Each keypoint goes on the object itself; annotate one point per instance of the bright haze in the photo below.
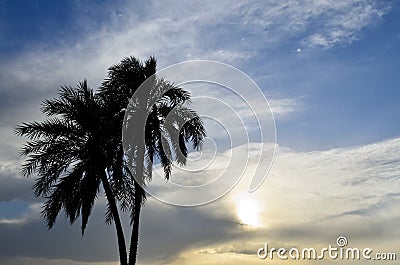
(329, 70)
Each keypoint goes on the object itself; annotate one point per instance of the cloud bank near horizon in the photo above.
(308, 198)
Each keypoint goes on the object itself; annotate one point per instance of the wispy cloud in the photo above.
(282, 107)
(227, 31)
(350, 18)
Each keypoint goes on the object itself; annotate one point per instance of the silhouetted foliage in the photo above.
(152, 135)
(80, 146)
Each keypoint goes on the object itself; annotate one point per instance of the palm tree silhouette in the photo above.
(69, 153)
(158, 123)
(80, 145)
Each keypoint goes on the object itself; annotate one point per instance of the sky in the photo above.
(328, 71)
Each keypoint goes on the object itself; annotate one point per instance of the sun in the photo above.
(248, 211)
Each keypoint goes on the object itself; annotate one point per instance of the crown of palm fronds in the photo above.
(67, 151)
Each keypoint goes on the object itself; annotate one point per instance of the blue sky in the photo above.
(338, 84)
(328, 68)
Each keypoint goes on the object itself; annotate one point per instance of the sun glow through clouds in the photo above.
(248, 211)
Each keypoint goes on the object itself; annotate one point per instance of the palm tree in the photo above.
(167, 126)
(70, 152)
(80, 145)
(157, 123)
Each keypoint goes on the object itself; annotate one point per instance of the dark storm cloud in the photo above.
(30, 238)
(187, 228)
(12, 186)
(166, 231)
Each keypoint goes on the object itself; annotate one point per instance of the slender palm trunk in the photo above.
(114, 210)
(133, 248)
(139, 193)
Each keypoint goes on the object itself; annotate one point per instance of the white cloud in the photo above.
(283, 107)
(348, 19)
(308, 199)
(206, 30)
(228, 31)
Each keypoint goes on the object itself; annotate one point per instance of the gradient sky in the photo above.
(328, 68)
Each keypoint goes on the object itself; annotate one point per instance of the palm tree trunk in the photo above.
(139, 193)
(114, 210)
(133, 248)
